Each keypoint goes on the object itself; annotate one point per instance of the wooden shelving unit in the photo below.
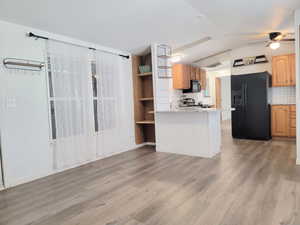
(143, 101)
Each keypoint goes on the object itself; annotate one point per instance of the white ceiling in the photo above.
(133, 25)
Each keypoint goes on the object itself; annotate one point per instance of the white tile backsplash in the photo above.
(282, 95)
(199, 97)
(277, 95)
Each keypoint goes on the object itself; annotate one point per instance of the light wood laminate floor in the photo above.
(250, 182)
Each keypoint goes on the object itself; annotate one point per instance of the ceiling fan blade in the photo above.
(269, 43)
(279, 37)
(258, 42)
(192, 44)
(284, 36)
(288, 39)
(290, 34)
(246, 34)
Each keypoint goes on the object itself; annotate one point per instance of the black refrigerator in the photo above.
(249, 98)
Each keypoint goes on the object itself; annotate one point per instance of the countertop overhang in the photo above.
(193, 110)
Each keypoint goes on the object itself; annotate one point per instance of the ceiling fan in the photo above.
(273, 38)
(277, 37)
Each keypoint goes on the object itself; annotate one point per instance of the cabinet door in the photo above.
(292, 74)
(198, 74)
(280, 70)
(181, 76)
(292, 120)
(203, 79)
(193, 73)
(280, 121)
(187, 77)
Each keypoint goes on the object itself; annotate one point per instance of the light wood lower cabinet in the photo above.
(283, 120)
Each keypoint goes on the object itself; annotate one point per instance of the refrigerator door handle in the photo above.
(245, 95)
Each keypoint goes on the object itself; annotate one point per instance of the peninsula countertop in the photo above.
(194, 109)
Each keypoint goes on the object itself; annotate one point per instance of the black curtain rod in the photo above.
(30, 34)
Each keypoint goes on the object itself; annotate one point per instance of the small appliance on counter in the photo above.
(185, 101)
(191, 102)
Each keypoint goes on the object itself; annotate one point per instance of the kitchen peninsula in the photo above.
(167, 113)
(190, 131)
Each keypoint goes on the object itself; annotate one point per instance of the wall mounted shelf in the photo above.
(248, 61)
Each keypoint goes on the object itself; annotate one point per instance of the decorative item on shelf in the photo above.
(164, 65)
(145, 69)
(250, 61)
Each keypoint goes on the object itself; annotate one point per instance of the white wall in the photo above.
(297, 30)
(212, 75)
(26, 150)
(255, 50)
(226, 97)
(24, 111)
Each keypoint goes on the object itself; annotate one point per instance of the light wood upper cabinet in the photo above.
(181, 76)
(198, 74)
(280, 120)
(193, 73)
(284, 120)
(283, 70)
(203, 79)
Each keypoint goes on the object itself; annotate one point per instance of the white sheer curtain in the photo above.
(70, 91)
(108, 106)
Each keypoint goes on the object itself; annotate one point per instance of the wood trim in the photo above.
(292, 65)
(138, 106)
(218, 92)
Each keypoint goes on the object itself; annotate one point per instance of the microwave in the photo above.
(194, 87)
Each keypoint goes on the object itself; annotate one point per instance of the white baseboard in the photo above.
(24, 180)
(150, 143)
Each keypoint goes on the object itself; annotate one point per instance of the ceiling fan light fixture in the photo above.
(274, 45)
